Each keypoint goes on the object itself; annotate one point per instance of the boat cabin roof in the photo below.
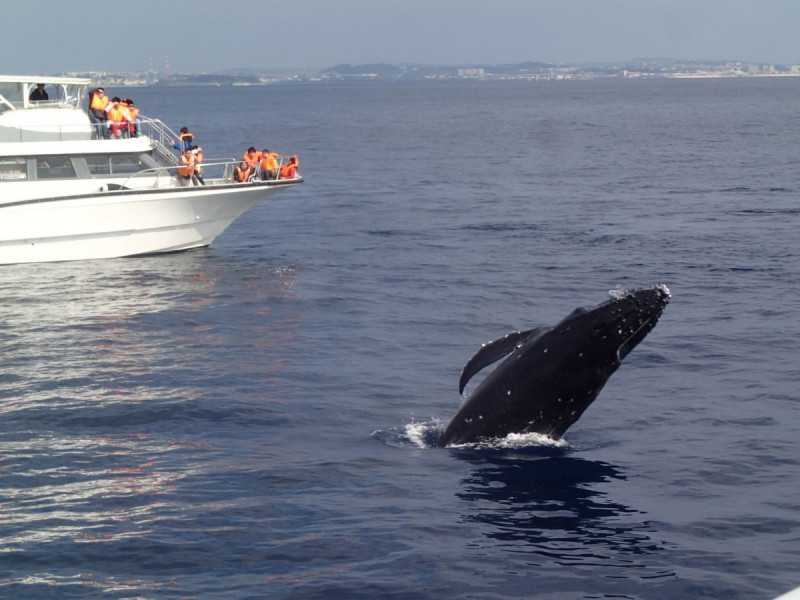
(63, 92)
(76, 147)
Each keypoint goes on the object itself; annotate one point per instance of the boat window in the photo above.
(148, 162)
(131, 163)
(13, 169)
(119, 164)
(55, 167)
(9, 96)
(127, 163)
(99, 164)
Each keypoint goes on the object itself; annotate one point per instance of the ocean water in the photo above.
(256, 419)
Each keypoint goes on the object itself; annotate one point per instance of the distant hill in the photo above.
(523, 71)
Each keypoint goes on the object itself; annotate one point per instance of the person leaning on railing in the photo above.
(289, 170)
(190, 169)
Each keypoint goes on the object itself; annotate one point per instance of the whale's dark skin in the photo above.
(552, 374)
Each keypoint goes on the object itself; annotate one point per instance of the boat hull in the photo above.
(124, 223)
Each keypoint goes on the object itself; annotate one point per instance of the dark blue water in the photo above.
(254, 420)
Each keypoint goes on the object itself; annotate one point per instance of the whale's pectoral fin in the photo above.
(492, 352)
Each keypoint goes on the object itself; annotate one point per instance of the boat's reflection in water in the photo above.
(100, 329)
(114, 376)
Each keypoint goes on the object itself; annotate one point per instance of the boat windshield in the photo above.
(59, 92)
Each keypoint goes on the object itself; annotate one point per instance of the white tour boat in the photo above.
(68, 194)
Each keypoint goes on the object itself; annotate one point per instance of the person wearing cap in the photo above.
(97, 111)
(185, 140)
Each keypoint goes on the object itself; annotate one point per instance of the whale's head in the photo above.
(616, 327)
(573, 360)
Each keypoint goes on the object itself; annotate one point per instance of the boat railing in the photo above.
(230, 164)
(161, 135)
(216, 171)
(165, 175)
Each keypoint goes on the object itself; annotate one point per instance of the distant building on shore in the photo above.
(527, 71)
(471, 73)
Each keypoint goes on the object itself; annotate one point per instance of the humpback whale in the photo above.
(552, 374)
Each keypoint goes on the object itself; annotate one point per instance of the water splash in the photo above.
(424, 435)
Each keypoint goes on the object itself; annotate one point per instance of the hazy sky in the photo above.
(51, 36)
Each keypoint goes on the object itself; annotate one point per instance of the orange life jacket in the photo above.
(99, 102)
(289, 170)
(188, 160)
(118, 113)
(241, 174)
(270, 162)
(252, 160)
(133, 112)
(198, 158)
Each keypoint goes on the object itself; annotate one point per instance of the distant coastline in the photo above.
(526, 71)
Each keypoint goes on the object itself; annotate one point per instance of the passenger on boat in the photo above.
(133, 128)
(185, 141)
(242, 172)
(269, 164)
(187, 171)
(252, 157)
(197, 153)
(39, 94)
(97, 112)
(119, 119)
(289, 170)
